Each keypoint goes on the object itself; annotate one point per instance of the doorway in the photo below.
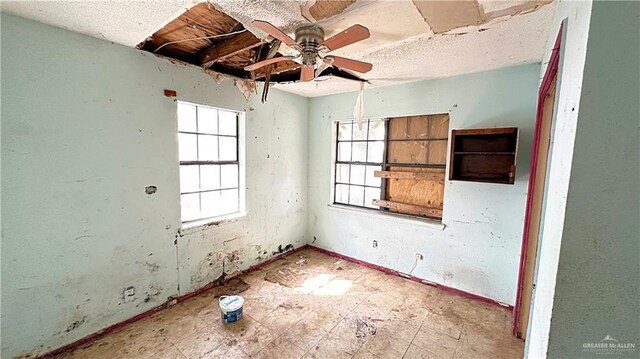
(536, 191)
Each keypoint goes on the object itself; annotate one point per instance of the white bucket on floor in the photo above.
(231, 308)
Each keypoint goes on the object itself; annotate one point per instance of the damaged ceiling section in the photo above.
(410, 39)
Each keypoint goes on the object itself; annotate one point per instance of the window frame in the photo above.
(385, 165)
(337, 162)
(239, 162)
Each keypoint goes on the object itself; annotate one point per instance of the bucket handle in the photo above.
(222, 297)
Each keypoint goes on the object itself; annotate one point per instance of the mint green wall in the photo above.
(85, 127)
(597, 289)
(574, 17)
(478, 248)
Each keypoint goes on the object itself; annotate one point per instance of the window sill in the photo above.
(389, 216)
(201, 225)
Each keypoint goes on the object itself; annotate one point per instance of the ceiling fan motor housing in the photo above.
(309, 37)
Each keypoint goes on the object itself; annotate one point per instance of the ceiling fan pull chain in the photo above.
(358, 111)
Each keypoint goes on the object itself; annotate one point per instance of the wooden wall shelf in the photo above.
(484, 155)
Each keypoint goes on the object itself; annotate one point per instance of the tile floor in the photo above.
(309, 305)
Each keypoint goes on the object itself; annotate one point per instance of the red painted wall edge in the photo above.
(549, 75)
(182, 298)
(112, 328)
(415, 279)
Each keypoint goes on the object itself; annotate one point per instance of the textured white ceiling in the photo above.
(402, 46)
(121, 21)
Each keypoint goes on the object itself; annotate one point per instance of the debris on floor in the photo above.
(302, 261)
(233, 286)
(286, 277)
(364, 328)
(438, 328)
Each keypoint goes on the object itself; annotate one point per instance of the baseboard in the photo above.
(170, 302)
(445, 288)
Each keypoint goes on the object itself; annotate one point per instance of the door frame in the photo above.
(550, 76)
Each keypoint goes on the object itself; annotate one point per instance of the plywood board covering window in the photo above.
(399, 162)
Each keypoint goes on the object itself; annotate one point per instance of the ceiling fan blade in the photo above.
(266, 62)
(350, 64)
(273, 31)
(347, 37)
(307, 73)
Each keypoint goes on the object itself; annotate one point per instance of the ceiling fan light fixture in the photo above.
(309, 37)
(310, 42)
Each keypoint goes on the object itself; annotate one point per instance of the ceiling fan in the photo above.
(311, 45)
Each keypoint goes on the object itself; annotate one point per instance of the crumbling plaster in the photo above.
(101, 131)
(402, 47)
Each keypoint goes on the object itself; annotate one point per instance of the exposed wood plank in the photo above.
(443, 16)
(544, 142)
(199, 22)
(438, 126)
(409, 208)
(419, 140)
(277, 68)
(407, 152)
(486, 131)
(427, 193)
(323, 9)
(229, 47)
(432, 176)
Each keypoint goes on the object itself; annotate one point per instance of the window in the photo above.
(208, 148)
(394, 165)
(358, 155)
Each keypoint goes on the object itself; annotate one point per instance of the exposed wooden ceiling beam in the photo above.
(277, 68)
(229, 47)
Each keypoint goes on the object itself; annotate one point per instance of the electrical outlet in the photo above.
(375, 244)
(220, 256)
(419, 256)
(129, 294)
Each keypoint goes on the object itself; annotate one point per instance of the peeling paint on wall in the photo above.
(61, 270)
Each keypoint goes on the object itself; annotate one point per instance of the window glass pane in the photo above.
(359, 152)
(344, 131)
(228, 149)
(190, 206)
(356, 195)
(344, 151)
(207, 148)
(209, 177)
(375, 152)
(229, 201)
(357, 174)
(227, 123)
(360, 131)
(369, 195)
(229, 175)
(211, 204)
(342, 173)
(189, 179)
(376, 130)
(370, 179)
(207, 120)
(187, 147)
(342, 193)
(186, 117)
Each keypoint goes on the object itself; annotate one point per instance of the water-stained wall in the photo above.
(85, 128)
(477, 249)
